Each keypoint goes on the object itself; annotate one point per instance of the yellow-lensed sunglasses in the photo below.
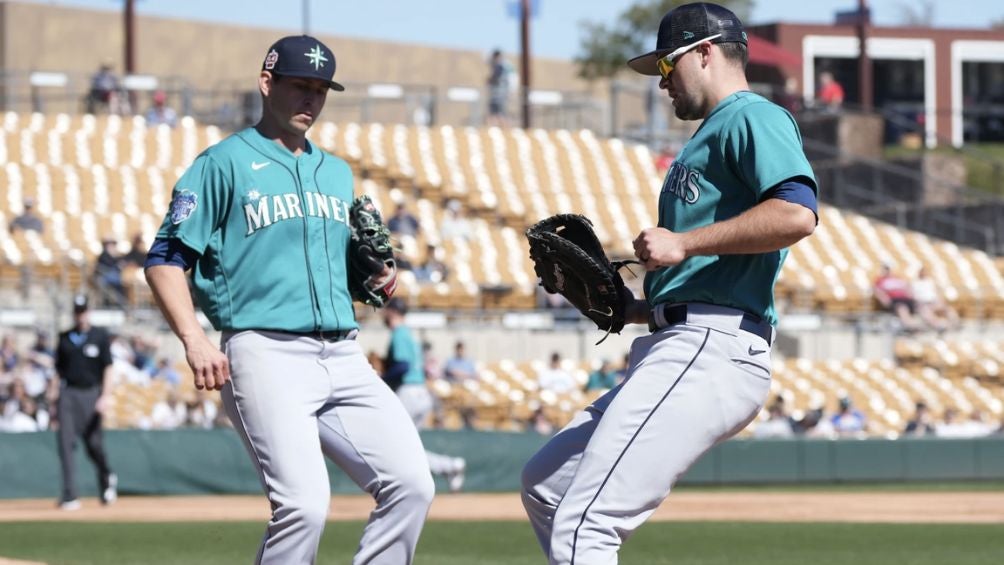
(667, 63)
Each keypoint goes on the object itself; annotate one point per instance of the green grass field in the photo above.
(512, 543)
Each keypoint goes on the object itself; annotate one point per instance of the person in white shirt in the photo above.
(555, 378)
(931, 307)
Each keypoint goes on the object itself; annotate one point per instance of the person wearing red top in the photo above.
(894, 295)
(831, 94)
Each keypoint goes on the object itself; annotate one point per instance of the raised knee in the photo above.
(417, 488)
(306, 512)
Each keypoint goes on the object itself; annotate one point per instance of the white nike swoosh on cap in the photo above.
(256, 166)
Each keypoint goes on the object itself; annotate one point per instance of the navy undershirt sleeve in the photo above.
(171, 251)
(796, 192)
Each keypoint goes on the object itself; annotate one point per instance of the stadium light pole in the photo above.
(864, 64)
(129, 23)
(306, 17)
(525, 60)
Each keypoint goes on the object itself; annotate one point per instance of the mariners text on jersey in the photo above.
(263, 211)
(684, 183)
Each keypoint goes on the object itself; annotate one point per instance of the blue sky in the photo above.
(485, 24)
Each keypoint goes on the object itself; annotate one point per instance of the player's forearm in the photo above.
(170, 290)
(106, 380)
(769, 226)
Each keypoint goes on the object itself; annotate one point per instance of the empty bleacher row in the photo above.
(93, 177)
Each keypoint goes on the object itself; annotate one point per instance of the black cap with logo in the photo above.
(687, 25)
(80, 303)
(301, 56)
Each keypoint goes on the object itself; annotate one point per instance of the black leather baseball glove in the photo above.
(372, 269)
(570, 261)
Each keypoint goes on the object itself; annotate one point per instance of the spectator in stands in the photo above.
(124, 367)
(433, 269)
(831, 93)
(499, 85)
(27, 220)
(540, 423)
(8, 353)
(814, 424)
(166, 372)
(430, 363)
(104, 93)
(137, 252)
(160, 113)
(603, 378)
(778, 425)
(950, 426)
(454, 224)
(403, 222)
(920, 424)
(169, 413)
(790, 99)
(202, 411)
(20, 412)
(894, 295)
(555, 377)
(35, 373)
(848, 421)
(931, 307)
(143, 353)
(108, 273)
(459, 368)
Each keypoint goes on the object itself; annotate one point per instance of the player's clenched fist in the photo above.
(659, 247)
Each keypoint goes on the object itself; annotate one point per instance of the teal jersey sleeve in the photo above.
(199, 203)
(405, 349)
(763, 145)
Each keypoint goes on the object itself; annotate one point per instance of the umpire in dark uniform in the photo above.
(83, 361)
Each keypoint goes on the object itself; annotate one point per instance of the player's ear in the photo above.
(265, 82)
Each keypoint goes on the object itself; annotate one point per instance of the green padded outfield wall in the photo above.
(214, 462)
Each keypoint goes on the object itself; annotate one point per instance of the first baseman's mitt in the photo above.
(569, 260)
(371, 255)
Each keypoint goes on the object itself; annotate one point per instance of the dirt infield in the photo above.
(895, 507)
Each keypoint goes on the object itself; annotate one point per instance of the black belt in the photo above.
(677, 314)
(320, 335)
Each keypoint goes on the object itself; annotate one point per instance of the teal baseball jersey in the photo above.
(745, 147)
(404, 348)
(247, 202)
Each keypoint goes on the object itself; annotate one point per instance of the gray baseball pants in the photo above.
(688, 387)
(295, 399)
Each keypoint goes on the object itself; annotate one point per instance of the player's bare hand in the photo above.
(103, 404)
(659, 247)
(209, 365)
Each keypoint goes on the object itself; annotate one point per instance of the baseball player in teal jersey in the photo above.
(261, 219)
(738, 194)
(405, 373)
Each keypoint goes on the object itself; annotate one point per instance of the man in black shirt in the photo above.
(83, 362)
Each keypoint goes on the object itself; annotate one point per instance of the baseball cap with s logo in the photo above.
(686, 25)
(302, 56)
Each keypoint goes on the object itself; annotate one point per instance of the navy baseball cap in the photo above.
(301, 56)
(688, 25)
(80, 303)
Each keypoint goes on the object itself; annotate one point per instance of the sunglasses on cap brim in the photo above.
(667, 63)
